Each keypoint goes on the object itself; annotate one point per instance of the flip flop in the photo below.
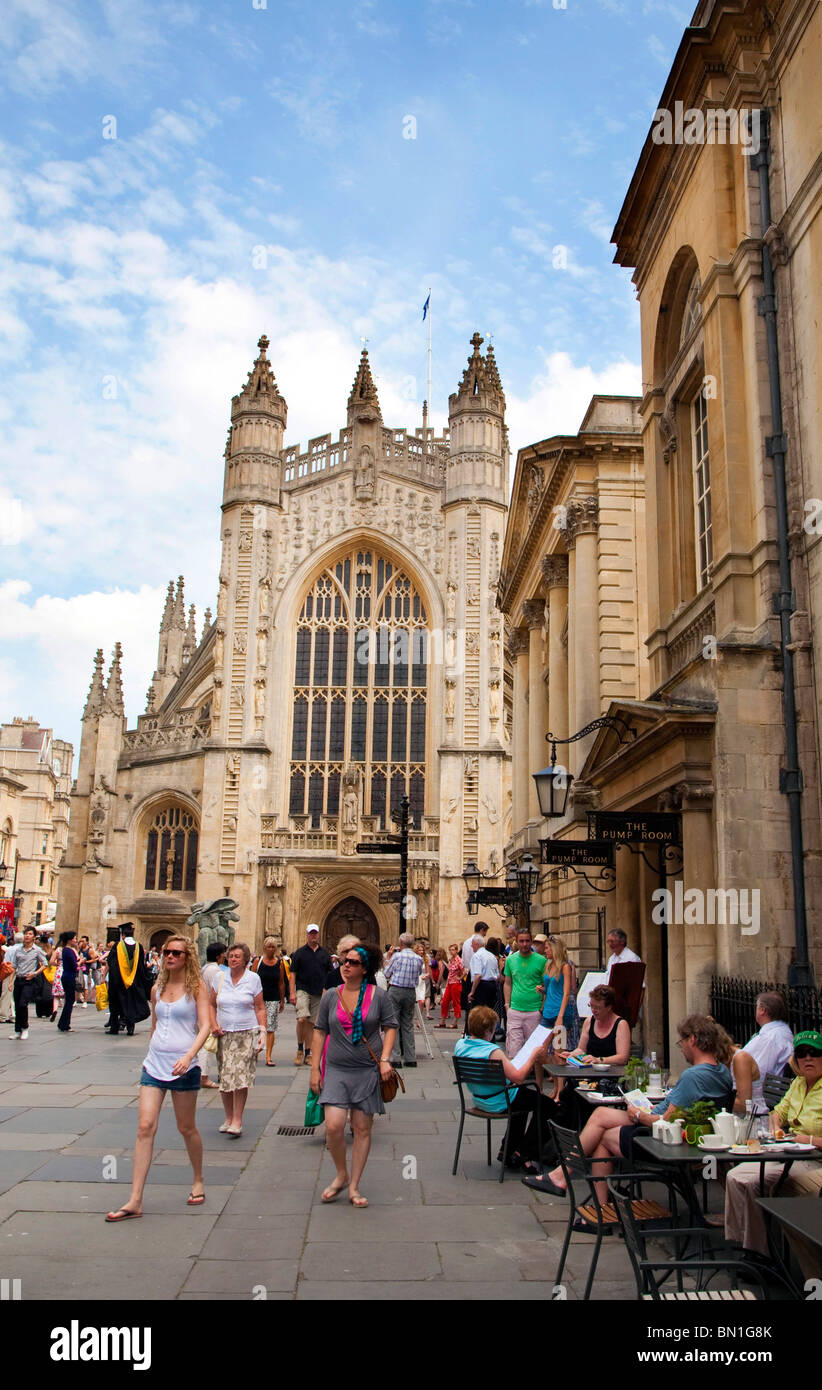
(122, 1215)
(358, 1201)
(334, 1193)
(544, 1184)
(195, 1199)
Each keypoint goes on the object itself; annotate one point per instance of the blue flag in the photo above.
(425, 308)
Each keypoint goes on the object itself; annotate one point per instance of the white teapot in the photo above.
(727, 1126)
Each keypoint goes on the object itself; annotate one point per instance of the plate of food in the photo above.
(753, 1147)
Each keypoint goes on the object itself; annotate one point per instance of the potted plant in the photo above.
(697, 1119)
(636, 1074)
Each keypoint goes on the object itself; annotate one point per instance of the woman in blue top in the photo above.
(707, 1049)
(525, 1123)
(69, 961)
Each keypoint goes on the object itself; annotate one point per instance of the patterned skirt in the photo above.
(237, 1059)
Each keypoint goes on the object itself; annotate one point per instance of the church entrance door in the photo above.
(351, 917)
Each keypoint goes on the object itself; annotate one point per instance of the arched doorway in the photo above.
(351, 917)
(158, 937)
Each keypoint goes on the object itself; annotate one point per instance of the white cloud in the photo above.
(560, 394)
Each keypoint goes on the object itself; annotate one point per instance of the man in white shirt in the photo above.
(484, 972)
(772, 1047)
(621, 954)
(467, 956)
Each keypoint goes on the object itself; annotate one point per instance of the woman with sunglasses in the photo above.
(798, 1116)
(348, 1060)
(180, 1024)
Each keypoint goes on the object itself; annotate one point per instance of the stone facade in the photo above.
(35, 784)
(355, 653)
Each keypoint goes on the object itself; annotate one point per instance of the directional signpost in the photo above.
(393, 890)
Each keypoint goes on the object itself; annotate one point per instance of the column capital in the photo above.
(518, 642)
(695, 795)
(533, 611)
(555, 571)
(583, 519)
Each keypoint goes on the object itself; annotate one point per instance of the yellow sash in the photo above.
(127, 972)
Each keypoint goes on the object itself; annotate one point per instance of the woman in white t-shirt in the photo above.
(238, 1021)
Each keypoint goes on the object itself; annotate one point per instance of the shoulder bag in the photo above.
(389, 1085)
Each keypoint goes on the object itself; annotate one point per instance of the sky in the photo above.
(177, 178)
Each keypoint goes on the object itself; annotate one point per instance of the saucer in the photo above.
(713, 1148)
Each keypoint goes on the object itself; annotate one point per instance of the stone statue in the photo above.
(274, 917)
(364, 478)
(212, 922)
(350, 808)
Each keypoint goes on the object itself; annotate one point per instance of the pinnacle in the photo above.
(168, 611)
(179, 605)
(261, 379)
(96, 692)
(114, 688)
(363, 391)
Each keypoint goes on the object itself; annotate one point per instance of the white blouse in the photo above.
(235, 1003)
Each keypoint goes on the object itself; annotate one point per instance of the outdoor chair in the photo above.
(774, 1088)
(470, 1071)
(652, 1272)
(578, 1168)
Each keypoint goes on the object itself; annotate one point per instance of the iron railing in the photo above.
(733, 1004)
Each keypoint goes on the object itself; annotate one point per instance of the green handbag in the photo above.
(313, 1111)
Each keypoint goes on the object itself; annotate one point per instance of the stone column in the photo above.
(534, 614)
(583, 521)
(518, 651)
(555, 581)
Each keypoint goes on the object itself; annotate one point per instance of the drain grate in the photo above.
(290, 1130)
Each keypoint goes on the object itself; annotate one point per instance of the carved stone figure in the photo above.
(212, 921)
(217, 698)
(240, 643)
(262, 647)
(219, 647)
(364, 476)
(274, 917)
(259, 699)
(450, 699)
(274, 875)
(451, 602)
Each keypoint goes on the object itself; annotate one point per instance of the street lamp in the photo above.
(471, 877)
(554, 783)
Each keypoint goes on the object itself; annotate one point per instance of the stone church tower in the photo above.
(355, 656)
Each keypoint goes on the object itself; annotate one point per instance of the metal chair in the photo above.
(579, 1168)
(651, 1273)
(774, 1088)
(472, 1072)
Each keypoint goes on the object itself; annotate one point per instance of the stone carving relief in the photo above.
(364, 476)
(262, 648)
(491, 809)
(350, 803)
(536, 482)
(274, 875)
(240, 643)
(473, 547)
(309, 884)
(274, 917)
(494, 701)
(450, 699)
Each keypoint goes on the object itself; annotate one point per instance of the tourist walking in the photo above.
(238, 1021)
(271, 971)
(402, 972)
(309, 967)
(347, 1074)
(451, 995)
(180, 1024)
(522, 981)
(214, 967)
(29, 962)
(484, 974)
(69, 965)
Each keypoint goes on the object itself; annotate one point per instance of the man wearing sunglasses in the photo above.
(799, 1116)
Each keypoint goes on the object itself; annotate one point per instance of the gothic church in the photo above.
(356, 656)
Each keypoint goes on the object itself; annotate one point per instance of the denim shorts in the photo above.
(189, 1082)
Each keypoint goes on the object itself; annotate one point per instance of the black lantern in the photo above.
(471, 878)
(553, 785)
(472, 904)
(528, 877)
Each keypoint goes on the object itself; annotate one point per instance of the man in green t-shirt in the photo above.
(524, 970)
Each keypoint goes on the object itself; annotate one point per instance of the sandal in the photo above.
(123, 1214)
(332, 1193)
(543, 1183)
(195, 1199)
(358, 1201)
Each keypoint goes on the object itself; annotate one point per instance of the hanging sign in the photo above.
(636, 827)
(583, 854)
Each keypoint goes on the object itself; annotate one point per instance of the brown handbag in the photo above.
(389, 1085)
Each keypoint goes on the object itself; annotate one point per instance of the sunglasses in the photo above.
(173, 952)
(351, 961)
(807, 1052)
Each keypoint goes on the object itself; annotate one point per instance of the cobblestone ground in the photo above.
(68, 1110)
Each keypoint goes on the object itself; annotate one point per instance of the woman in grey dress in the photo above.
(343, 1072)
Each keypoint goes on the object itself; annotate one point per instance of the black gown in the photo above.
(128, 1005)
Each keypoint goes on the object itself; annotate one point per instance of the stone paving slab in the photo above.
(17, 1166)
(285, 1241)
(87, 1170)
(436, 1290)
(241, 1276)
(33, 1122)
(160, 1198)
(369, 1260)
(34, 1143)
(459, 1223)
(112, 1280)
(176, 1236)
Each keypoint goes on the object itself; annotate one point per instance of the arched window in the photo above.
(360, 689)
(171, 851)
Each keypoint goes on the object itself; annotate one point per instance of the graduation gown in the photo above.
(130, 1004)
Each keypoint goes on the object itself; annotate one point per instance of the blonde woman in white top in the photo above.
(180, 1024)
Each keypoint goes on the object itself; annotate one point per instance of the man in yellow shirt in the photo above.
(800, 1112)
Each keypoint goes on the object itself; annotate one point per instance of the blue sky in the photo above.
(260, 178)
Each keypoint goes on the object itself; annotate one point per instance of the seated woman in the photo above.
(745, 1072)
(799, 1111)
(525, 1122)
(706, 1048)
(605, 1036)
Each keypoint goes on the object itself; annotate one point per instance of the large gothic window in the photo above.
(171, 851)
(360, 689)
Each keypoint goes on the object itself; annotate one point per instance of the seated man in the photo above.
(799, 1111)
(706, 1048)
(525, 1122)
(769, 1050)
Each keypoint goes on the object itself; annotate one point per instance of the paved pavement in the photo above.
(68, 1113)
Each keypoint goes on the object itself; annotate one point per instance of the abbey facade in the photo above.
(356, 656)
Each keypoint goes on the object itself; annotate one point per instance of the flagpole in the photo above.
(429, 352)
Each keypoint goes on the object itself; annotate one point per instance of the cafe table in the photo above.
(800, 1214)
(562, 1069)
(681, 1156)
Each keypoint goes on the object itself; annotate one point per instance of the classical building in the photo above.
(572, 589)
(35, 785)
(356, 655)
